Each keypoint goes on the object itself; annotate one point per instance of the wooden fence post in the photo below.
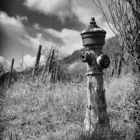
(46, 64)
(50, 64)
(22, 66)
(35, 70)
(10, 74)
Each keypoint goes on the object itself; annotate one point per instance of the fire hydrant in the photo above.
(96, 120)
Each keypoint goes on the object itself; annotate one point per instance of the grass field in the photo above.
(37, 111)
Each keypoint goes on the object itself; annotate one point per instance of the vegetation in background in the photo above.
(40, 110)
(32, 109)
(123, 17)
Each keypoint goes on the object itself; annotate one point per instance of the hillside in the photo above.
(75, 56)
(33, 110)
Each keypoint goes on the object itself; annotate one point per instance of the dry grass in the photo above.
(119, 96)
(33, 110)
(38, 111)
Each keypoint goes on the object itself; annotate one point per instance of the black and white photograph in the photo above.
(69, 70)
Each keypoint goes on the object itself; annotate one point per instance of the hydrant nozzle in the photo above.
(87, 56)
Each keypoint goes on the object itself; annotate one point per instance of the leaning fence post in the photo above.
(35, 70)
(96, 120)
(46, 64)
(51, 61)
(10, 74)
(50, 65)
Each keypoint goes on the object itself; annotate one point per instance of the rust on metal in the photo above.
(96, 119)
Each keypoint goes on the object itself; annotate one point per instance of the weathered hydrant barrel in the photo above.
(96, 120)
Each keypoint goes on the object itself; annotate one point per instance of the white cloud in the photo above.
(67, 35)
(29, 61)
(54, 7)
(36, 26)
(11, 23)
(71, 39)
(1, 59)
(109, 32)
(82, 9)
(23, 18)
(15, 29)
(13, 26)
(4, 63)
(34, 42)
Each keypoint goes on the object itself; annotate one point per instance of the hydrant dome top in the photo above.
(93, 35)
(93, 28)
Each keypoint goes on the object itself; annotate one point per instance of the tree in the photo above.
(123, 17)
(116, 55)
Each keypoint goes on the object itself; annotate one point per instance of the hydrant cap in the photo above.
(93, 35)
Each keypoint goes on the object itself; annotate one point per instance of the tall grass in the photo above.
(33, 110)
(121, 106)
(38, 111)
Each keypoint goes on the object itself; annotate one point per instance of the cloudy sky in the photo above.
(25, 24)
